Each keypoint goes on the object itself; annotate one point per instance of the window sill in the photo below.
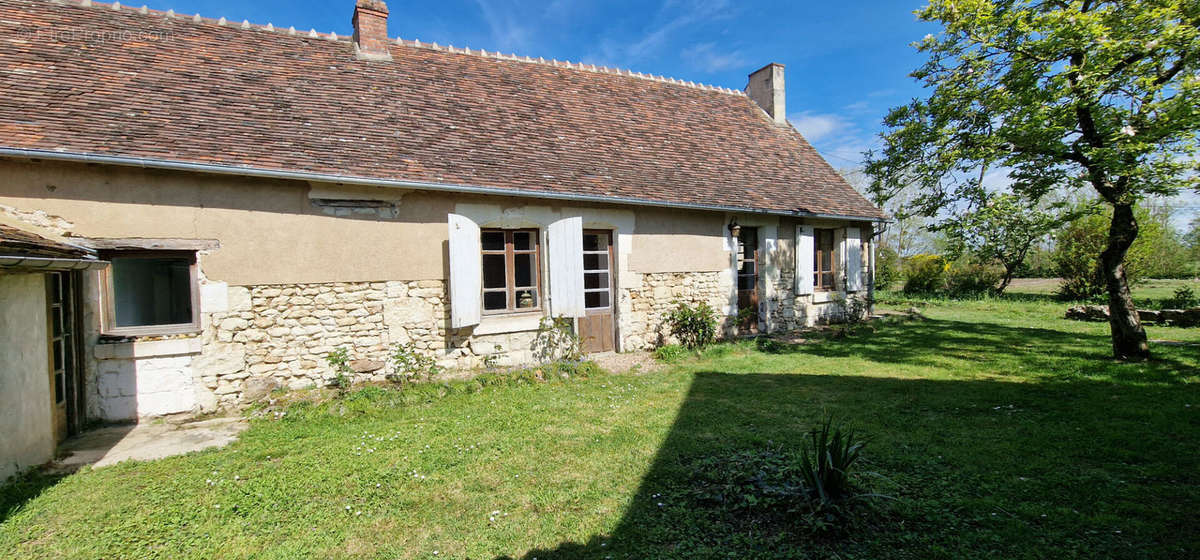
(133, 349)
(509, 323)
(825, 296)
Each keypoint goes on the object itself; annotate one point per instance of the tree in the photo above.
(1155, 254)
(1061, 94)
(1002, 229)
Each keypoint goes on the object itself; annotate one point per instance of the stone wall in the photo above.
(642, 325)
(279, 335)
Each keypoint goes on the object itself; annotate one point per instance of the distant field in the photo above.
(1147, 290)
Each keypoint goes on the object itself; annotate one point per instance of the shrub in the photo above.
(670, 353)
(965, 280)
(339, 360)
(409, 364)
(1184, 298)
(695, 327)
(924, 274)
(887, 267)
(827, 463)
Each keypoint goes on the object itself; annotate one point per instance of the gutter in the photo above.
(174, 165)
(42, 263)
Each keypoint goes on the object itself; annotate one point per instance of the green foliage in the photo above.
(556, 341)
(670, 353)
(1100, 96)
(924, 274)
(888, 267)
(1157, 253)
(694, 326)
(339, 360)
(1001, 228)
(409, 364)
(1184, 298)
(828, 460)
(967, 279)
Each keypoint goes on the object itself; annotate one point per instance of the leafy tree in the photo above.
(1001, 229)
(1155, 254)
(1072, 94)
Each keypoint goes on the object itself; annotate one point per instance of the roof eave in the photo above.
(175, 165)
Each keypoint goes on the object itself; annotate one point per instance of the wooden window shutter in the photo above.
(466, 272)
(566, 267)
(804, 260)
(854, 281)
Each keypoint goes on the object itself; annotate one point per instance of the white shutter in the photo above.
(566, 267)
(804, 260)
(466, 272)
(853, 260)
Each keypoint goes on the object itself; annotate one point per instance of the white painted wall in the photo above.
(26, 429)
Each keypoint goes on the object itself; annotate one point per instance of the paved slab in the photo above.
(144, 442)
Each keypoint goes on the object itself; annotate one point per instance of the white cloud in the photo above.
(815, 127)
(507, 28)
(675, 16)
(706, 58)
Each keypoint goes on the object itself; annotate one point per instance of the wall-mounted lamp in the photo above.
(735, 229)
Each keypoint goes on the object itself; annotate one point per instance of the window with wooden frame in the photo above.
(511, 270)
(824, 260)
(149, 293)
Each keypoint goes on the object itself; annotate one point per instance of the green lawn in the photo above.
(1147, 292)
(998, 430)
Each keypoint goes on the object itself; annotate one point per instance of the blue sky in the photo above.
(847, 61)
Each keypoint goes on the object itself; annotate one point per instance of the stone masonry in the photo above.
(279, 335)
(643, 326)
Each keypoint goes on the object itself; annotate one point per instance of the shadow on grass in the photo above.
(979, 468)
(23, 488)
(1016, 351)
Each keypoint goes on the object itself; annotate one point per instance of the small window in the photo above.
(824, 260)
(511, 271)
(151, 293)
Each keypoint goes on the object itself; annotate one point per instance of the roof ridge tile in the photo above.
(415, 43)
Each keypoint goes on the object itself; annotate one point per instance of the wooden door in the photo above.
(747, 280)
(65, 375)
(597, 331)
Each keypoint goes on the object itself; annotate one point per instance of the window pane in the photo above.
(57, 292)
(494, 275)
(526, 299)
(152, 291)
(595, 242)
(526, 272)
(595, 262)
(58, 354)
(56, 321)
(826, 260)
(747, 267)
(827, 280)
(746, 282)
(495, 300)
(594, 300)
(492, 240)
(523, 241)
(595, 280)
(59, 389)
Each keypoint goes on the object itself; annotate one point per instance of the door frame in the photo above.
(750, 325)
(612, 285)
(70, 305)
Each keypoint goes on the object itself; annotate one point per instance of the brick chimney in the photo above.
(370, 30)
(766, 89)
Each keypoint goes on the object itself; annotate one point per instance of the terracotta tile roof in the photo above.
(15, 242)
(97, 80)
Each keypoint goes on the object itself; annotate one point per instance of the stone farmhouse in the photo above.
(195, 211)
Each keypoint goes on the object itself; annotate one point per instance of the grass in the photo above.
(1145, 293)
(998, 429)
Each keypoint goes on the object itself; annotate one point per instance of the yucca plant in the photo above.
(826, 465)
